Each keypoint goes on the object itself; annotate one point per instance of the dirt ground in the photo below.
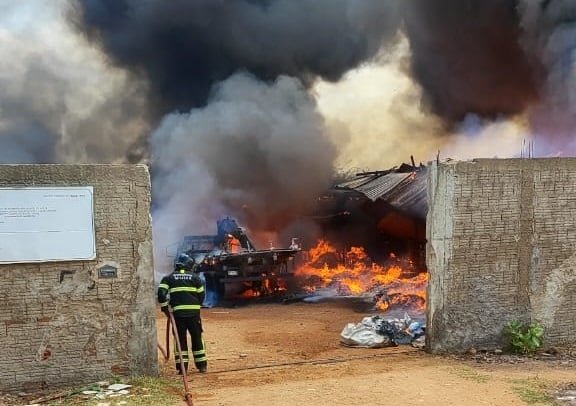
(274, 354)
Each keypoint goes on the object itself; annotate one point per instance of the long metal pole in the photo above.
(166, 352)
(188, 394)
(167, 338)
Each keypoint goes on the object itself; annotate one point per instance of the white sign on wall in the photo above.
(39, 224)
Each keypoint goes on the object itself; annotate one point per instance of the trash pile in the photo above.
(378, 332)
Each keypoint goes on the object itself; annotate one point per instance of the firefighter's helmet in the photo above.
(184, 261)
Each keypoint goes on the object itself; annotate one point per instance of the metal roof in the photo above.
(405, 191)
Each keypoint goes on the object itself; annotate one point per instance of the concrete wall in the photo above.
(501, 247)
(60, 323)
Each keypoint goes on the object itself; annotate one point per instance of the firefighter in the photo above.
(183, 292)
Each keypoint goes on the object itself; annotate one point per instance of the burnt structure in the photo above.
(234, 268)
(382, 211)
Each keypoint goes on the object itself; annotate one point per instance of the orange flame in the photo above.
(269, 285)
(354, 273)
(232, 244)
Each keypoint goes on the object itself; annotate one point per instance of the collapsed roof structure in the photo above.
(379, 208)
(403, 188)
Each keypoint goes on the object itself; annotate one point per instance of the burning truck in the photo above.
(234, 268)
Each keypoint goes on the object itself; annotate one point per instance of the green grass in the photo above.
(533, 392)
(470, 374)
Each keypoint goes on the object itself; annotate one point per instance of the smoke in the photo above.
(495, 58)
(258, 151)
(243, 136)
(476, 137)
(183, 47)
(550, 37)
(254, 102)
(59, 101)
(379, 104)
(466, 56)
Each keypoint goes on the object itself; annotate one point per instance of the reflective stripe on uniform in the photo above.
(163, 286)
(163, 304)
(187, 289)
(185, 354)
(186, 307)
(200, 355)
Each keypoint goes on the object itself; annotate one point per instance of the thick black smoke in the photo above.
(466, 55)
(243, 137)
(183, 47)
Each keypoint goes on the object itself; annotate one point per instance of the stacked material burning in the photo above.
(395, 284)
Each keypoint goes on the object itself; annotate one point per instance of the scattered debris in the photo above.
(566, 395)
(419, 342)
(119, 387)
(54, 396)
(377, 332)
(499, 356)
(99, 391)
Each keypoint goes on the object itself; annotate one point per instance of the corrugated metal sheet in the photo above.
(375, 186)
(405, 191)
(358, 182)
(410, 196)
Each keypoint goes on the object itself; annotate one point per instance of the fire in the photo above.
(232, 244)
(354, 273)
(268, 286)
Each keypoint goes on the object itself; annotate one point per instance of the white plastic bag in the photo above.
(359, 335)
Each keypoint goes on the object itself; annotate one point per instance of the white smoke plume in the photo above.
(59, 100)
(476, 137)
(379, 105)
(550, 38)
(258, 151)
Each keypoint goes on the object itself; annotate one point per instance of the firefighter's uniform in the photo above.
(183, 291)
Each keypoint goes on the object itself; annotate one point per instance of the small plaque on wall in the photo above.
(107, 272)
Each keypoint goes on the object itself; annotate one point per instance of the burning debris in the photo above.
(352, 273)
(234, 268)
(382, 211)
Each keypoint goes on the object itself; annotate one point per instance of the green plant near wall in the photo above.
(524, 339)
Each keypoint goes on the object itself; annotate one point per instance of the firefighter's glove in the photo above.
(166, 310)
